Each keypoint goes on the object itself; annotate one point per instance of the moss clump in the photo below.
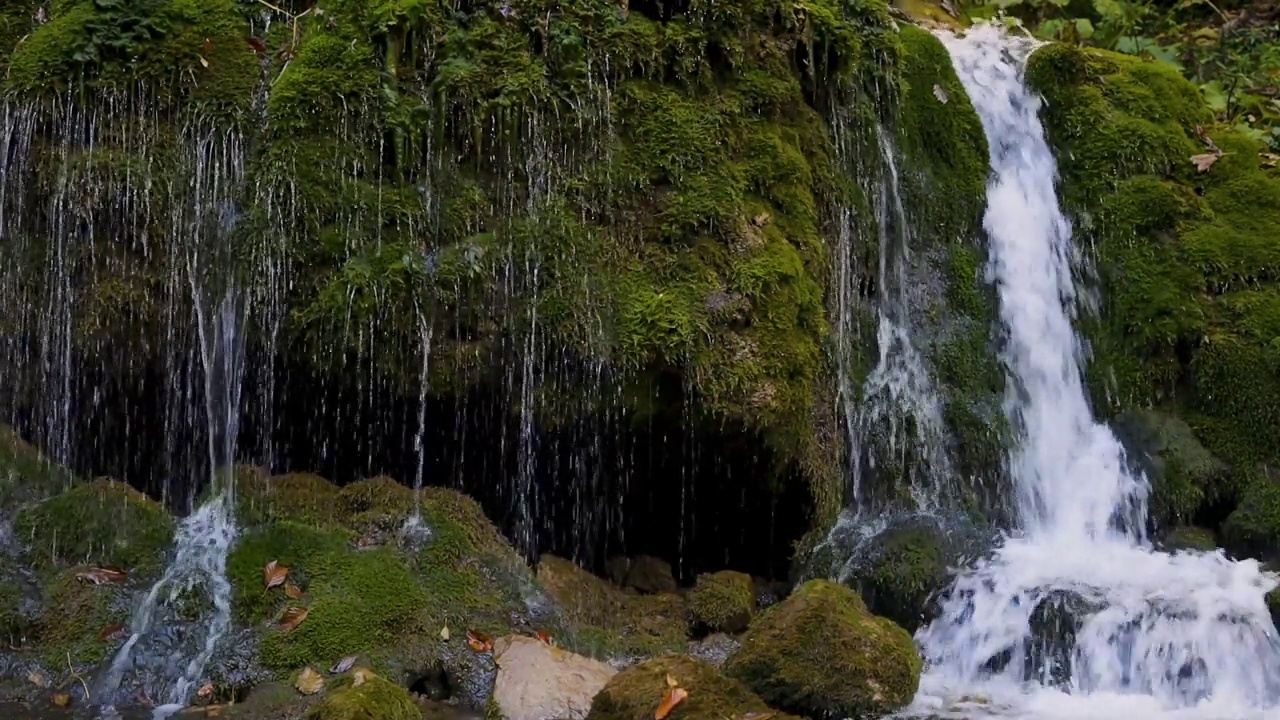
(103, 522)
(1253, 528)
(1191, 538)
(604, 620)
(375, 504)
(905, 568)
(74, 618)
(300, 497)
(26, 475)
(356, 600)
(821, 653)
(16, 19)
(723, 601)
(371, 698)
(635, 693)
(1184, 476)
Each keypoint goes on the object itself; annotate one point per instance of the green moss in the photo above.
(635, 693)
(602, 620)
(16, 19)
(300, 497)
(73, 619)
(723, 601)
(1253, 529)
(103, 522)
(906, 568)
(821, 653)
(26, 475)
(1185, 477)
(1191, 538)
(372, 699)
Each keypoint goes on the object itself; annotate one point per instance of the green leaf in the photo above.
(1084, 28)
(1214, 95)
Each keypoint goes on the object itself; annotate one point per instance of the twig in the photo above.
(77, 676)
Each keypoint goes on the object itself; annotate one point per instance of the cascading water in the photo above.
(1138, 633)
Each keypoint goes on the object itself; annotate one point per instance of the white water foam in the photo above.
(1156, 635)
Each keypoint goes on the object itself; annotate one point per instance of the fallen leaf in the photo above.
(1269, 159)
(62, 700)
(111, 631)
(274, 574)
(758, 715)
(293, 592)
(359, 676)
(761, 220)
(309, 682)
(671, 682)
(1204, 161)
(343, 664)
(941, 94)
(674, 697)
(293, 617)
(37, 679)
(102, 575)
(257, 45)
(205, 690)
(444, 633)
(203, 62)
(208, 45)
(479, 641)
(546, 638)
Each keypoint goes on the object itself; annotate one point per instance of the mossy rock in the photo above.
(1253, 528)
(1184, 476)
(904, 569)
(299, 497)
(26, 475)
(635, 693)
(821, 653)
(75, 618)
(1189, 537)
(104, 522)
(365, 696)
(723, 602)
(604, 620)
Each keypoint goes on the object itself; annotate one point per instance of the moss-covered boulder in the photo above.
(1253, 528)
(722, 602)
(821, 653)
(1190, 537)
(635, 693)
(901, 573)
(300, 497)
(365, 696)
(103, 522)
(26, 475)
(79, 622)
(603, 619)
(1184, 476)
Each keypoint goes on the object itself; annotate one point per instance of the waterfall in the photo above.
(1075, 615)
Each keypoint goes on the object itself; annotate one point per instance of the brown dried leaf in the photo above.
(546, 638)
(758, 715)
(1204, 161)
(293, 617)
(293, 592)
(206, 690)
(309, 682)
(1269, 160)
(257, 45)
(674, 697)
(274, 574)
(671, 682)
(208, 45)
(111, 631)
(62, 700)
(203, 62)
(102, 575)
(35, 678)
(941, 94)
(359, 676)
(479, 641)
(344, 664)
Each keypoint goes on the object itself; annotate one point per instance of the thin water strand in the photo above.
(1152, 634)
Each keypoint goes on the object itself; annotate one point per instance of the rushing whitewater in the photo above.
(1076, 616)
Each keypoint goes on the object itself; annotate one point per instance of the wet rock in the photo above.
(714, 649)
(901, 574)
(616, 570)
(769, 592)
(651, 575)
(1184, 475)
(1054, 623)
(634, 693)
(539, 682)
(1188, 537)
(723, 601)
(821, 653)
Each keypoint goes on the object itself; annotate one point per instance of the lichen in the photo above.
(723, 601)
(635, 693)
(103, 522)
(821, 653)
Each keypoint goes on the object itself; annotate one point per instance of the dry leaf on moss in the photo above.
(309, 682)
(344, 664)
(941, 94)
(1204, 161)
(111, 632)
(293, 617)
(274, 574)
(674, 696)
(102, 575)
(479, 641)
(293, 592)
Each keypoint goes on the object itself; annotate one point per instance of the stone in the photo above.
(537, 681)
(651, 575)
(634, 693)
(723, 601)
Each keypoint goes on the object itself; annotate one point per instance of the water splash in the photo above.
(1075, 616)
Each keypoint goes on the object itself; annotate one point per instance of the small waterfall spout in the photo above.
(1075, 616)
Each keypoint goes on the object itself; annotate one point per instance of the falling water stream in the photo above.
(1151, 635)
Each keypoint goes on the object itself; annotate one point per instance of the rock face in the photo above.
(634, 693)
(904, 570)
(821, 653)
(539, 682)
(723, 601)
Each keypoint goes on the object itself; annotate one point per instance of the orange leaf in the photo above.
(479, 641)
(546, 638)
(257, 45)
(274, 574)
(293, 592)
(674, 697)
(102, 575)
(293, 617)
(111, 631)
(758, 715)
